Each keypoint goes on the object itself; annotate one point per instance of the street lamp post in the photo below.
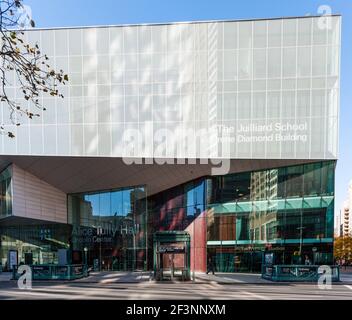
(99, 233)
(85, 255)
(85, 268)
(301, 241)
(100, 254)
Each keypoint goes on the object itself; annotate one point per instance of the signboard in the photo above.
(41, 271)
(170, 249)
(269, 258)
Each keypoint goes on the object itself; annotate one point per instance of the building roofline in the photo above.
(179, 22)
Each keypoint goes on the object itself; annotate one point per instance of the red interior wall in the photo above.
(198, 232)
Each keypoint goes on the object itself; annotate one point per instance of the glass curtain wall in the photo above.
(34, 243)
(109, 228)
(181, 208)
(286, 210)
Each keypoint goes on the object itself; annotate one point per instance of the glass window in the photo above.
(92, 205)
(105, 204)
(294, 181)
(327, 178)
(242, 226)
(6, 193)
(314, 224)
(195, 198)
(127, 204)
(312, 179)
(227, 227)
(291, 228)
(116, 203)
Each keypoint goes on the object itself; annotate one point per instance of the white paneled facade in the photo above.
(264, 89)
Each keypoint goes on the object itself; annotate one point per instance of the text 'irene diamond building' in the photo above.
(176, 143)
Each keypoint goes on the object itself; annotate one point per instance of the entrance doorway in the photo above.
(171, 255)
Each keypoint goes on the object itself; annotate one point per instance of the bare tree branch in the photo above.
(33, 74)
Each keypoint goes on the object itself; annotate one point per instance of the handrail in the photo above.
(55, 272)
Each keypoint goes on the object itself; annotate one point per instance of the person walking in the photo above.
(210, 266)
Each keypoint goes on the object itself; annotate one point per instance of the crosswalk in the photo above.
(164, 291)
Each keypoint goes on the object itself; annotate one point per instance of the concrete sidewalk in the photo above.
(108, 277)
(5, 276)
(111, 277)
(231, 278)
(105, 277)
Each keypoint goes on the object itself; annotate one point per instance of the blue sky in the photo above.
(58, 13)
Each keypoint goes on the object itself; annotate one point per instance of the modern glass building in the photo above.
(223, 132)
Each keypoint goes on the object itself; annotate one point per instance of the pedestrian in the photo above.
(307, 261)
(210, 266)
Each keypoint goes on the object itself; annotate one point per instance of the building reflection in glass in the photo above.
(112, 226)
(287, 210)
